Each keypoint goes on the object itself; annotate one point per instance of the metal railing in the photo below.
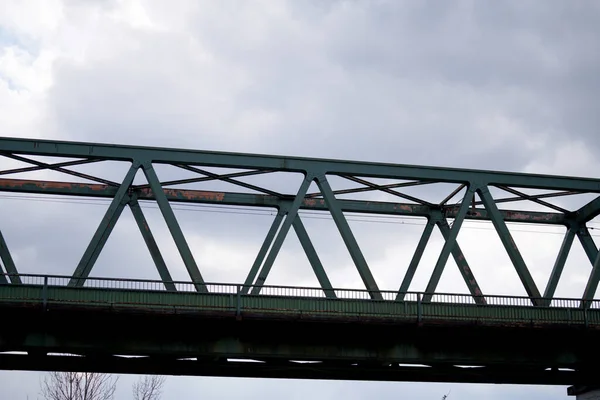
(297, 291)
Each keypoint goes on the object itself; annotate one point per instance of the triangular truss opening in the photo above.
(74, 170)
(513, 251)
(263, 182)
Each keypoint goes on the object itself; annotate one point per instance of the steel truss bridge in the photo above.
(249, 329)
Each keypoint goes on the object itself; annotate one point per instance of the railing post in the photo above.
(419, 308)
(45, 293)
(238, 302)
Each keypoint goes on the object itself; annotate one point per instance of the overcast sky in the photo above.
(509, 85)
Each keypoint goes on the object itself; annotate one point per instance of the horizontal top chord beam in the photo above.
(292, 164)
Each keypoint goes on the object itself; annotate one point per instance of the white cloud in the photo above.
(506, 86)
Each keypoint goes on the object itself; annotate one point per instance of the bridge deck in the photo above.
(295, 302)
(127, 326)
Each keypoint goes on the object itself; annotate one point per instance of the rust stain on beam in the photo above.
(511, 215)
(259, 200)
(17, 185)
(189, 195)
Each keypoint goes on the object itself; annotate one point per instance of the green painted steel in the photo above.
(99, 151)
(292, 212)
(589, 211)
(104, 229)
(449, 244)
(594, 279)
(7, 261)
(416, 258)
(559, 265)
(313, 257)
(291, 200)
(263, 249)
(509, 244)
(146, 232)
(461, 262)
(174, 228)
(253, 200)
(348, 237)
(591, 251)
(293, 301)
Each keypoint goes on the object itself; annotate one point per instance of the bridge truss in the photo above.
(470, 196)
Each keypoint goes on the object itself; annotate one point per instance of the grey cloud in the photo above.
(498, 87)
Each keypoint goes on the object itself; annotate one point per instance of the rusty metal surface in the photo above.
(259, 200)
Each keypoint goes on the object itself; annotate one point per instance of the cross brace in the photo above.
(97, 151)
(475, 182)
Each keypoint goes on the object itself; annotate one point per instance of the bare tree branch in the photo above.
(78, 386)
(148, 388)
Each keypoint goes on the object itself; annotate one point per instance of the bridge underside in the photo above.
(76, 338)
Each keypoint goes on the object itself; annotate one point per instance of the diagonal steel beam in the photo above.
(452, 194)
(39, 168)
(448, 245)
(589, 211)
(559, 264)
(461, 263)
(287, 223)
(44, 165)
(205, 178)
(537, 196)
(386, 190)
(229, 180)
(3, 280)
(256, 200)
(534, 199)
(589, 247)
(104, 229)
(416, 258)
(146, 232)
(591, 251)
(263, 250)
(592, 283)
(174, 228)
(371, 189)
(510, 246)
(55, 148)
(313, 258)
(594, 256)
(8, 261)
(348, 238)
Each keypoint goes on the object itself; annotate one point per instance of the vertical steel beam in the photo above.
(159, 261)
(449, 244)
(174, 228)
(510, 246)
(462, 264)
(313, 257)
(416, 258)
(263, 250)
(8, 261)
(104, 229)
(559, 265)
(348, 237)
(287, 223)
